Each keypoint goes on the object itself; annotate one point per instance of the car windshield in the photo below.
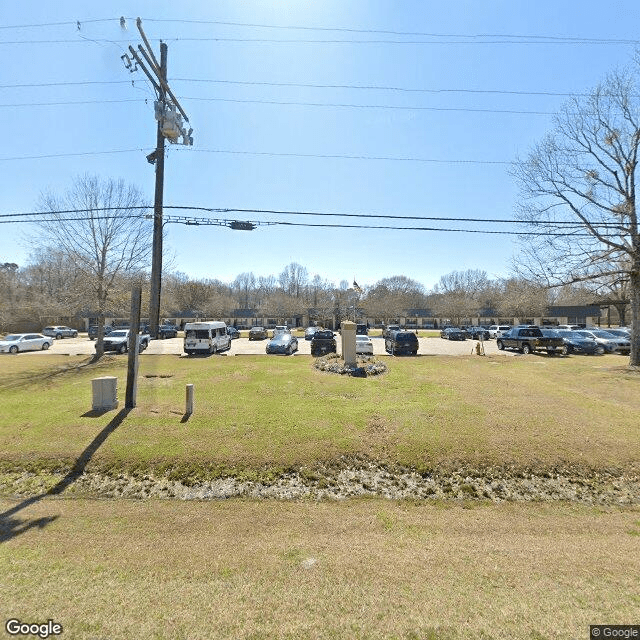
(603, 334)
(407, 337)
(323, 334)
(257, 329)
(582, 334)
(281, 338)
(118, 334)
(551, 333)
(362, 339)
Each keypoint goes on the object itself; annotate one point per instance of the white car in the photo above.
(364, 345)
(281, 329)
(15, 342)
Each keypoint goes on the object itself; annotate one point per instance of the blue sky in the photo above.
(453, 80)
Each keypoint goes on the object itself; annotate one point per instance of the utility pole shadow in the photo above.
(10, 526)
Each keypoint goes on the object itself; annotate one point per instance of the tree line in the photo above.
(577, 204)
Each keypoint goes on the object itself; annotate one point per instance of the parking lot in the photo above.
(242, 346)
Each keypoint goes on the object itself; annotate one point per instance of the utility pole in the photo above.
(169, 115)
(156, 256)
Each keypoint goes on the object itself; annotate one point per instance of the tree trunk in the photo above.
(635, 316)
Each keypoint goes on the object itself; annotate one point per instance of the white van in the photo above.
(496, 330)
(206, 337)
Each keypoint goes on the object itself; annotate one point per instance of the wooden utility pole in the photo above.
(133, 347)
(169, 114)
(156, 256)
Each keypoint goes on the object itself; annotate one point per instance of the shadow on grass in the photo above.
(10, 527)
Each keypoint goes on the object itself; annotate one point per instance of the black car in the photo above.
(453, 333)
(167, 331)
(233, 333)
(477, 333)
(323, 342)
(401, 342)
(362, 330)
(574, 342)
(282, 343)
(93, 331)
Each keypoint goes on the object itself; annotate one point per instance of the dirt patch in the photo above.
(338, 483)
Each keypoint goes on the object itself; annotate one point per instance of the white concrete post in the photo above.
(348, 333)
(189, 404)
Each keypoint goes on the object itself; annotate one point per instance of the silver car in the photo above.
(58, 332)
(364, 345)
(612, 344)
(16, 342)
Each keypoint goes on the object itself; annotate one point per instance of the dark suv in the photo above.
(93, 331)
(323, 342)
(399, 342)
(362, 330)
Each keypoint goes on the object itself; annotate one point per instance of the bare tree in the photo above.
(105, 238)
(293, 279)
(578, 191)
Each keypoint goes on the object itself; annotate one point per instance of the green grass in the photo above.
(259, 414)
(356, 569)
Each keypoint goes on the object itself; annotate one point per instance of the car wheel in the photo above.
(500, 345)
(526, 349)
(75, 334)
(566, 350)
(122, 348)
(13, 349)
(600, 350)
(58, 336)
(45, 346)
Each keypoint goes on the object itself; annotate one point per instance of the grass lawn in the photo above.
(361, 569)
(254, 413)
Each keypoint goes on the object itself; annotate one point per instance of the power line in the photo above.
(287, 103)
(295, 41)
(309, 85)
(195, 220)
(535, 37)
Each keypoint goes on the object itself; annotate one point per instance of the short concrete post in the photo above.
(348, 332)
(189, 404)
(105, 393)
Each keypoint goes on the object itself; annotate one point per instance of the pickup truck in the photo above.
(118, 340)
(323, 342)
(528, 340)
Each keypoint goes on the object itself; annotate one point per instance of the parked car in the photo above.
(58, 332)
(281, 328)
(478, 333)
(257, 333)
(233, 333)
(529, 339)
(574, 343)
(364, 345)
(118, 340)
(282, 343)
(453, 333)
(93, 331)
(389, 329)
(324, 341)
(570, 327)
(400, 342)
(496, 330)
(620, 333)
(362, 330)
(611, 343)
(310, 332)
(16, 342)
(167, 331)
